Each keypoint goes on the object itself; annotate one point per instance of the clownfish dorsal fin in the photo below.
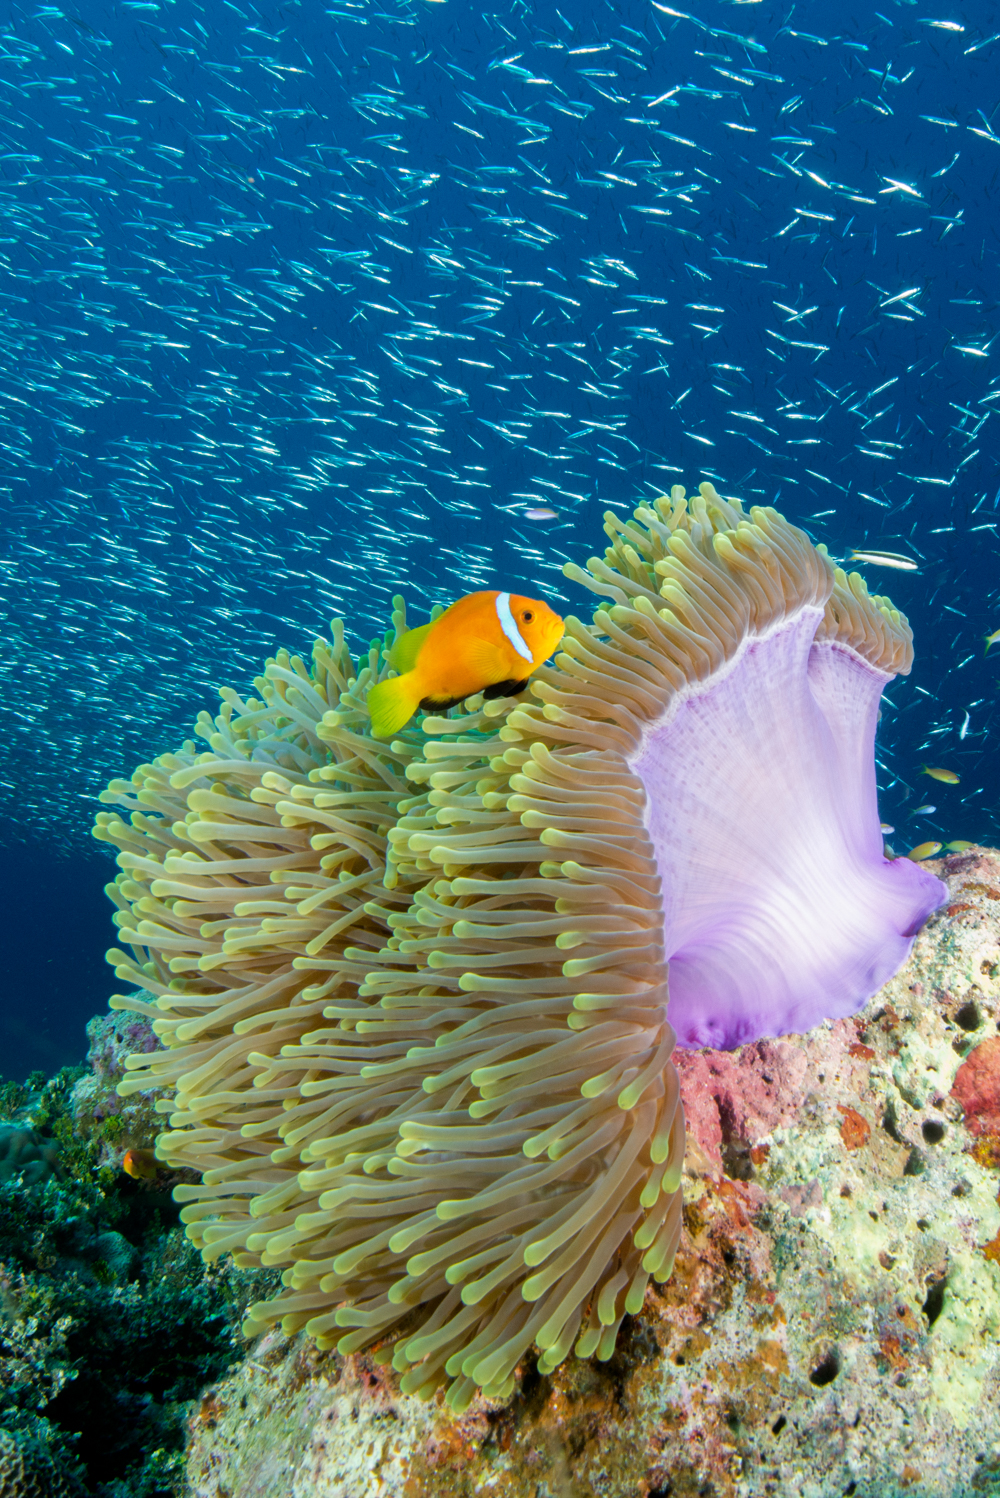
(403, 655)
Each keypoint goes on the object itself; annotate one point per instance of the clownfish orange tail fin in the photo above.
(392, 704)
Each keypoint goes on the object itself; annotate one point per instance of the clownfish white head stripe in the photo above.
(509, 626)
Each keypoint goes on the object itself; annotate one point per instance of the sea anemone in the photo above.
(413, 996)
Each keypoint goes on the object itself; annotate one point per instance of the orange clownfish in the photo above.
(140, 1164)
(486, 642)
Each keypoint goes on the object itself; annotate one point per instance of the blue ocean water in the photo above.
(304, 305)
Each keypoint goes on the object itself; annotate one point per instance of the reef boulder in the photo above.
(117, 1124)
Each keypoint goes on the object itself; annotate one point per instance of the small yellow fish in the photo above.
(140, 1164)
(486, 642)
(924, 850)
(884, 559)
(959, 846)
(991, 640)
(947, 777)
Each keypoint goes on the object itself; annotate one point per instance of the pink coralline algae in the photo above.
(977, 1088)
(733, 1097)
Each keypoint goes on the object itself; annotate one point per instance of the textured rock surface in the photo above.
(832, 1323)
(26, 1471)
(112, 1037)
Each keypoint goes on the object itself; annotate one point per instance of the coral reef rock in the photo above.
(117, 1123)
(831, 1325)
(27, 1472)
(110, 1323)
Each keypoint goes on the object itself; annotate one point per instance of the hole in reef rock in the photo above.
(779, 1425)
(826, 1370)
(636, 1344)
(934, 1304)
(915, 1164)
(969, 1016)
(535, 1388)
(736, 1160)
(932, 1130)
(890, 1125)
(735, 1149)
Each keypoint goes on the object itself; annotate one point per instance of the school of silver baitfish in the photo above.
(303, 307)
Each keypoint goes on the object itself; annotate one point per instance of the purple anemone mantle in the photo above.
(780, 907)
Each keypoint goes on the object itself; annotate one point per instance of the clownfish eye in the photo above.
(527, 616)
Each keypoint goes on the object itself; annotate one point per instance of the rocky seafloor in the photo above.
(832, 1325)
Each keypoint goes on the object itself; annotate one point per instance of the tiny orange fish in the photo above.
(141, 1165)
(948, 777)
(486, 642)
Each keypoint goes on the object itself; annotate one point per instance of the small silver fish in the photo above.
(540, 512)
(885, 559)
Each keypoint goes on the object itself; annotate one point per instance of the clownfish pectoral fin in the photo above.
(403, 655)
(508, 688)
(391, 704)
(486, 661)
